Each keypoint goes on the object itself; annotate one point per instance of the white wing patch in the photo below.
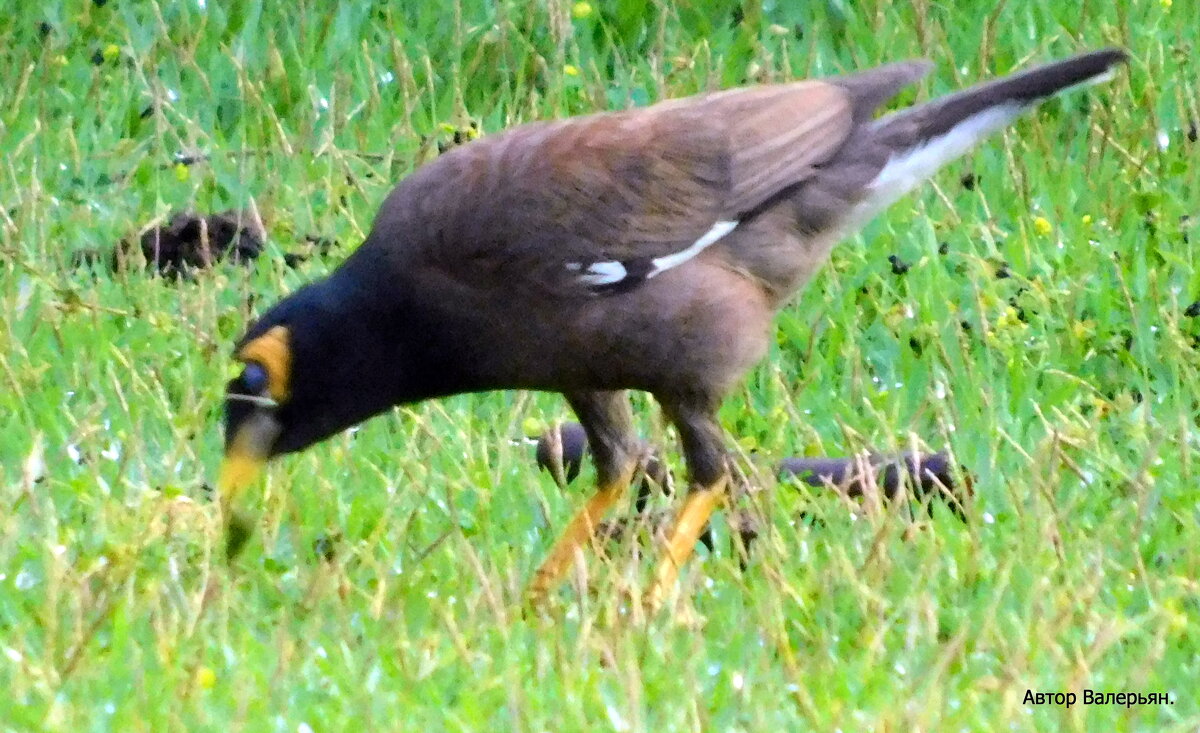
(600, 273)
(662, 264)
(612, 272)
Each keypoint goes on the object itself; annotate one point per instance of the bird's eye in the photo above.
(254, 378)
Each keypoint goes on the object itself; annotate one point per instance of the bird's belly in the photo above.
(698, 328)
(777, 255)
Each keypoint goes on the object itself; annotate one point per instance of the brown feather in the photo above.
(626, 186)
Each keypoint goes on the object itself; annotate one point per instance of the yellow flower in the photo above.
(532, 427)
(1165, 3)
(1008, 319)
(111, 52)
(182, 172)
(1086, 220)
(571, 70)
(581, 10)
(1083, 329)
(205, 678)
(1042, 226)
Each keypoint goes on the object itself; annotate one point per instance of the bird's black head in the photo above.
(315, 364)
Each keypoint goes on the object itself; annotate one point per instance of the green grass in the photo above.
(1078, 566)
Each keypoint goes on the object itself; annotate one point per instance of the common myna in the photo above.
(645, 249)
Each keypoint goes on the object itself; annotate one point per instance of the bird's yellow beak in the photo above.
(245, 458)
(238, 471)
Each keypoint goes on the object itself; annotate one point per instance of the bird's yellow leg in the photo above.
(577, 534)
(699, 506)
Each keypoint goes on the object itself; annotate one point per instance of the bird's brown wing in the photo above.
(601, 203)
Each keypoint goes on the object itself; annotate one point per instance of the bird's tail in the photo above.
(922, 139)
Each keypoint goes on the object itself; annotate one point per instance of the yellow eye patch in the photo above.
(273, 352)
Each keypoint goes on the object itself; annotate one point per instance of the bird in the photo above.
(646, 249)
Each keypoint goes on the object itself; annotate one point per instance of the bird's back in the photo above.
(528, 209)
